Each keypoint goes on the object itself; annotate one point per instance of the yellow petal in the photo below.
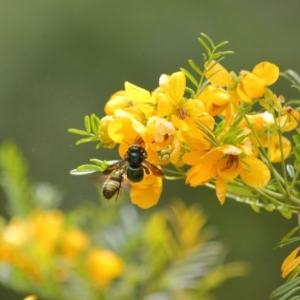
(200, 174)
(117, 101)
(227, 170)
(266, 71)
(164, 107)
(290, 263)
(194, 108)
(192, 158)
(217, 74)
(221, 189)
(175, 87)
(254, 172)
(253, 86)
(119, 129)
(32, 297)
(179, 124)
(242, 95)
(145, 194)
(274, 148)
(137, 94)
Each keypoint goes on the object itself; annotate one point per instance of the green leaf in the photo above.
(294, 76)
(291, 171)
(295, 298)
(296, 139)
(78, 131)
(231, 135)
(204, 46)
(95, 123)
(220, 128)
(221, 44)
(269, 207)
(89, 167)
(222, 53)
(99, 145)
(87, 124)
(297, 152)
(285, 288)
(82, 172)
(290, 233)
(208, 38)
(190, 76)
(287, 242)
(195, 67)
(286, 212)
(255, 207)
(87, 140)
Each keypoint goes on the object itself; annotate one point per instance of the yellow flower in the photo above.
(103, 132)
(288, 119)
(117, 101)
(215, 100)
(290, 263)
(32, 297)
(252, 85)
(120, 130)
(264, 126)
(16, 232)
(226, 163)
(217, 74)
(146, 194)
(14, 256)
(103, 266)
(45, 228)
(274, 149)
(156, 134)
(140, 99)
(73, 242)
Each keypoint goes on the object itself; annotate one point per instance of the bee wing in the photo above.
(154, 169)
(114, 166)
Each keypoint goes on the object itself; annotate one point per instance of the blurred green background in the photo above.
(61, 60)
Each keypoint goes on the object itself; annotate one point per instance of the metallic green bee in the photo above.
(134, 164)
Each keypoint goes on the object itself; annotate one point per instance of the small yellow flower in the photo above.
(226, 163)
(266, 135)
(215, 100)
(156, 134)
(274, 149)
(140, 99)
(32, 297)
(103, 132)
(73, 242)
(290, 263)
(217, 74)
(16, 232)
(118, 100)
(103, 266)
(288, 119)
(45, 228)
(146, 194)
(252, 85)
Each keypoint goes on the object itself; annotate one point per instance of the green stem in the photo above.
(283, 166)
(294, 181)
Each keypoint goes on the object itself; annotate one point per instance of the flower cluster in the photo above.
(60, 249)
(226, 129)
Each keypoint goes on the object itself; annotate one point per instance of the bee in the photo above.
(134, 164)
(113, 184)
